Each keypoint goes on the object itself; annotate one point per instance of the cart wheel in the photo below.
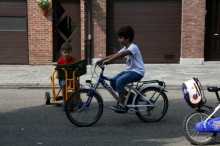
(47, 98)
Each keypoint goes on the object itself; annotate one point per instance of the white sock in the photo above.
(122, 105)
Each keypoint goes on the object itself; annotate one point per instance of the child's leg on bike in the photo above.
(113, 85)
(123, 79)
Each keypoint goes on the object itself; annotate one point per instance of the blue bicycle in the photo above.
(149, 102)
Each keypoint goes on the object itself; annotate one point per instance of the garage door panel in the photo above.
(13, 47)
(13, 9)
(16, 36)
(13, 32)
(149, 11)
(152, 36)
(18, 46)
(159, 58)
(153, 52)
(161, 36)
(155, 28)
(157, 25)
(149, 22)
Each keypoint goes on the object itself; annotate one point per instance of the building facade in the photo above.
(166, 31)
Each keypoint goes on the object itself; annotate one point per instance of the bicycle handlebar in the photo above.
(99, 63)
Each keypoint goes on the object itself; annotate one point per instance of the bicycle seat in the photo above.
(213, 89)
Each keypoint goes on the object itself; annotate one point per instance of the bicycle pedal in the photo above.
(120, 112)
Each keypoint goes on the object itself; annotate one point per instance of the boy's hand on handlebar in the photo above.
(98, 62)
(102, 62)
(105, 62)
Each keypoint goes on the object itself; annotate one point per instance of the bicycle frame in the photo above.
(210, 125)
(102, 80)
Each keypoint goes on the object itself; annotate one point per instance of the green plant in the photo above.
(43, 4)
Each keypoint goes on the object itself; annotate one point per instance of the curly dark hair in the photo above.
(66, 46)
(126, 32)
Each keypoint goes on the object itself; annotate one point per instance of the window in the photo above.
(13, 24)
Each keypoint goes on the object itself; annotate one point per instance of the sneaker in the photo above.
(63, 107)
(119, 108)
(130, 98)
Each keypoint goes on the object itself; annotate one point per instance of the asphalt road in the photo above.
(25, 120)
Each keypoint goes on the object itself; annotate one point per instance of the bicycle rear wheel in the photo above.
(80, 115)
(196, 137)
(150, 113)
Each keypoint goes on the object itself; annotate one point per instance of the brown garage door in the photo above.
(157, 25)
(13, 32)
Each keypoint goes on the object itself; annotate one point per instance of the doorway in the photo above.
(66, 27)
(212, 33)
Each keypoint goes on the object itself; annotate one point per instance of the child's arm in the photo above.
(116, 56)
(107, 57)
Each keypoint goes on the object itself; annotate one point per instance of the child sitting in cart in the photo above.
(66, 50)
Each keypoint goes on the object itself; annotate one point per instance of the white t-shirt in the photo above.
(134, 62)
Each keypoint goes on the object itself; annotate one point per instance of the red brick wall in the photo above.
(39, 35)
(193, 27)
(99, 28)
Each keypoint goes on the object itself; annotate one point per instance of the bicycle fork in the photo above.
(90, 95)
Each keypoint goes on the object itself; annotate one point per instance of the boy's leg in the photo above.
(63, 86)
(121, 97)
(123, 80)
(77, 87)
(64, 94)
(113, 84)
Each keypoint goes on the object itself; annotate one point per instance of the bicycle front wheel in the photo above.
(152, 113)
(196, 137)
(81, 115)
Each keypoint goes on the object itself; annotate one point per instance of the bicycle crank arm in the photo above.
(140, 106)
(140, 111)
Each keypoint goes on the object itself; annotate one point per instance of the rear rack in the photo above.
(160, 83)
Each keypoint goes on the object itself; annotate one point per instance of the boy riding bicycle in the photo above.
(135, 69)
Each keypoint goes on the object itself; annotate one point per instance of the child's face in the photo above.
(123, 40)
(66, 54)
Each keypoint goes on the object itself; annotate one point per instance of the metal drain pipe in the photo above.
(85, 30)
(89, 41)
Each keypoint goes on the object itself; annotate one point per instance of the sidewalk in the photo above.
(171, 74)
